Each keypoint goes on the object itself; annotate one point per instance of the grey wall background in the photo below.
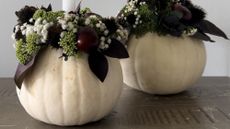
(218, 54)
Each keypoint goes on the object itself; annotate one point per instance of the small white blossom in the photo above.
(75, 30)
(98, 25)
(13, 36)
(102, 38)
(62, 34)
(106, 32)
(14, 46)
(38, 21)
(70, 25)
(109, 41)
(119, 38)
(106, 46)
(43, 40)
(64, 26)
(44, 22)
(31, 20)
(87, 21)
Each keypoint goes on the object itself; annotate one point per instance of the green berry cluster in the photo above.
(25, 50)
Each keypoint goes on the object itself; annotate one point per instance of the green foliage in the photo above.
(25, 50)
(32, 41)
(21, 53)
(48, 16)
(85, 11)
(68, 43)
(149, 20)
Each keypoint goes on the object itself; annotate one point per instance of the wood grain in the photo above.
(206, 106)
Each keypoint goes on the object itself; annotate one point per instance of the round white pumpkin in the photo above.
(67, 92)
(163, 64)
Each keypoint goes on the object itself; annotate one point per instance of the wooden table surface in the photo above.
(205, 106)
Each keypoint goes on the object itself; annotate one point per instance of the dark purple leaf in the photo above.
(21, 72)
(49, 8)
(210, 28)
(78, 9)
(98, 64)
(202, 36)
(116, 50)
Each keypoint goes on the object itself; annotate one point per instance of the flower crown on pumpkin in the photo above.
(174, 17)
(73, 32)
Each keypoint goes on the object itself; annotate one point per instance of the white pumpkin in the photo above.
(163, 64)
(67, 92)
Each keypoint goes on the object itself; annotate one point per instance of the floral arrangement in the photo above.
(83, 31)
(74, 32)
(174, 17)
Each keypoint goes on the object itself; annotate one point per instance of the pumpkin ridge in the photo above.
(62, 93)
(186, 64)
(81, 94)
(27, 99)
(100, 103)
(44, 87)
(134, 65)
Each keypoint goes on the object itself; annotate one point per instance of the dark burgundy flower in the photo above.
(186, 13)
(111, 24)
(25, 14)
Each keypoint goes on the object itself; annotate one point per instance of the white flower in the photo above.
(102, 38)
(106, 32)
(102, 27)
(102, 43)
(134, 26)
(135, 13)
(44, 32)
(29, 30)
(64, 27)
(44, 22)
(13, 36)
(109, 41)
(61, 21)
(98, 25)
(43, 40)
(93, 17)
(71, 26)
(38, 21)
(106, 46)
(46, 26)
(87, 21)
(22, 28)
(62, 34)
(14, 46)
(75, 30)
(24, 32)
(31, 20)
(119, 38)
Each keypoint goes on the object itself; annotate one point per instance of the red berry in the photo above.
(87, 39)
